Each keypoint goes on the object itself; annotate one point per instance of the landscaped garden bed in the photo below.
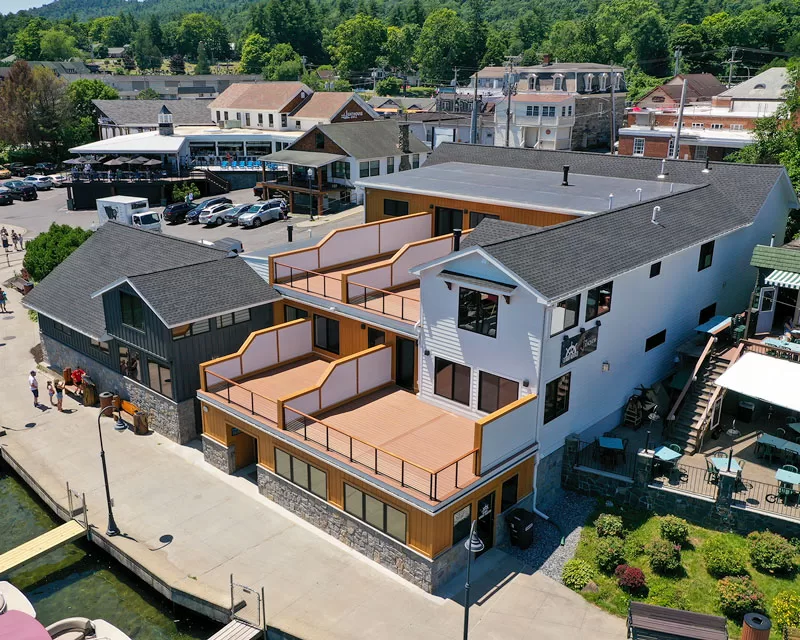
(668, 562)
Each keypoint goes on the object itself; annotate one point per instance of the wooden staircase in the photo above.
(686, 429)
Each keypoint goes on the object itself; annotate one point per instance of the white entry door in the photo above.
(766, 310)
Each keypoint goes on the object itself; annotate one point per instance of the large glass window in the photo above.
(62, 328)
(495, 392)
(375, 513)
(706, 256)
(390, 164)
(477, 311)
(598, 300)
(326, 334)
(462, 520)
(341, 170)
(132, 310)
(375, 337)
(451, 380)
(655, 340)
(319, 140)
(293, 313)
(363, 169)
(374, 167)
(556, 397)
(475, 218)
(301, 473)
(100, 346)
(415, 161)
(565, 315)
(129, 363)
(160, 378)
(228, 319)
(508, 496)
(395, 208)
(638, 146)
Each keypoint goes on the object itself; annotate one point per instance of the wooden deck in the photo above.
(24, 553)
(236, 630)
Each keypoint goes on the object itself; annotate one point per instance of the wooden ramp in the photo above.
(237, 630)
(66, 533)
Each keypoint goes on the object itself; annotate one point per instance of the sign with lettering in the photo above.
(579, 345)
(351, 115)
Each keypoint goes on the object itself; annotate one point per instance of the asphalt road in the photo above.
(37, 216)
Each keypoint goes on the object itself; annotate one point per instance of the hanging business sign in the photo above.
(578, 345)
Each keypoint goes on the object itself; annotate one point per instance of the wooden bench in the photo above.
(649, 622)
(129, 407)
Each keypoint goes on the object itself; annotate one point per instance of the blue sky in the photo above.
(10, 6)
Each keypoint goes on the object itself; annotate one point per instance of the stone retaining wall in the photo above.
(427, 574)
(218, 455)
(721, 513)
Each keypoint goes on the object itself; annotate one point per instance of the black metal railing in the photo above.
(307, 280)
(778, 498)
(619, 462)
(685, 478)
(399, 306)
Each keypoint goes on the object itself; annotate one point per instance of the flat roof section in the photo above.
(522, 188)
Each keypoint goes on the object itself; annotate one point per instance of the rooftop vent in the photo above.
(639, 193)
(656, 211)
(565, 181)
(610, 201)
(456, 239)
(707, 169)
(663, 173)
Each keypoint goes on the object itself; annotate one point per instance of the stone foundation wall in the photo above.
(592, 129)
(218, 455)
(722, 513)
(59, 356)
(548, 479)
(428, 575)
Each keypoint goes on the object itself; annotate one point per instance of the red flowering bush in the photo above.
(629, 578)
(738, 596)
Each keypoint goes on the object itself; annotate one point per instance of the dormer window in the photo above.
(532, 83)
(558, 82)
(760, 86)
(588, 81)
(603, 81)
(617, 81)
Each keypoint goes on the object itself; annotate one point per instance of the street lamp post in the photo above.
(310, 174)
(112, 529)
(473, 545)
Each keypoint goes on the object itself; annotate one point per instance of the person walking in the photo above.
(59, 394)
(5, 243)
(50, 391)
(21, 242)
(33, 383)
(3, 300)
(14, 239)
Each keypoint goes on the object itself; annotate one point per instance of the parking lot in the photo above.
(37, 216)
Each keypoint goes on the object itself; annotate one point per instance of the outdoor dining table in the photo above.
(666, 454)
(722, 464)
(615, 444)
(794, 426)
(789, 477)
(610, 448)
(781, 344)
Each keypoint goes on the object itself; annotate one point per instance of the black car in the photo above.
(5, 196)
(20, 190)
(199, 207)
(176, 212)
(45, 167)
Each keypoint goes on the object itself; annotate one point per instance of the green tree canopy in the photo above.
(254, 54)
(355, 44)
(27, 43)
(55, 44)
(49, 249)
(148, 94)
(283, 63)
(398, 50)
(202, 67)
(147, 55)
(442, 45)
(82, 92)
(201, 27)
(389, 86)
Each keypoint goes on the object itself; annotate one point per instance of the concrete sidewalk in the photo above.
(191, 526)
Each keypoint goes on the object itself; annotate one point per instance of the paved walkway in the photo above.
(193, 526)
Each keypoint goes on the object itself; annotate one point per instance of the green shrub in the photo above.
(674, 529)
(576, 574)
(738, 596)
(723, 558)
(610, 554)
(770, 552)
(608, 525)
(786, 609)
(665, 557)
(666, 594)
(630, 579)
(182, 189)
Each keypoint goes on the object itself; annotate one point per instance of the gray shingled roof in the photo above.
(145, 112)
(776, 81)
(205, 289)
(563, 259)
(116, 251)
(374, 139)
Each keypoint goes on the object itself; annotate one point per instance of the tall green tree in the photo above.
(282, 63)
(82, 92)
(497, 46)
(49, 249)
(16, 104)
(202, 67)
(55, 44)
(201, 27)
(254, 54)
(294, 22)
(356, 44)
(398, 50)
(147, 55)
(442, 45)
(477, 32)
(27, 42)
(177, 65)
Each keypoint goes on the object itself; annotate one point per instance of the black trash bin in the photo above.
(520, 527)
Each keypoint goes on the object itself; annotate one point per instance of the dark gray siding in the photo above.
(155, 338)
(78, 341)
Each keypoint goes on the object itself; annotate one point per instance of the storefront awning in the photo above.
(787, 279)
(303, 158)
(715, 325)
(772, 380)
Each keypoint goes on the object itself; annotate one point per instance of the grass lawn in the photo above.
(694, 590)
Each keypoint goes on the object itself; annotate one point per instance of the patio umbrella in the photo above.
(152, 163)
(138, 160)
(114, 162)
(75, 161)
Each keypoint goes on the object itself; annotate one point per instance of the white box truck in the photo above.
(128, 210)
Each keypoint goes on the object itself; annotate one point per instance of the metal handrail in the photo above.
(692, 378)
(713, 399)
(383, 293)
(324, 277)
(231, 383)
(403, 462)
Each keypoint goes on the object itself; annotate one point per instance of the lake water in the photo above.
(81, 580)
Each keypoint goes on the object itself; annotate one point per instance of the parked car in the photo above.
(45, 167)
(21, 190)
(25, 170)
(42, 183)
(4, 173)
(260, 213)
(214, 215)
(231, 245)
(199, 207)
(232, 214)
(15, 168)
(176, 212)
(5, 196)
(59, 179)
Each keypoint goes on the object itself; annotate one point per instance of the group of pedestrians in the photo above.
(56, 390)
(15, 240)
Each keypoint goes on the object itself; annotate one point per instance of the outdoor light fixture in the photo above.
(427, 352)
(582, 330)
(112, 529)
(473, 545)
(606, 366)
(597, 323)
(526, 382)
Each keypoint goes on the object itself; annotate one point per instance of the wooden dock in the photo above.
(66, 533)
(237, 630)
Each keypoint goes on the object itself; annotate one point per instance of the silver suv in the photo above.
(260, 213)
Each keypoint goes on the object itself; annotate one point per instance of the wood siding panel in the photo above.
(353, 107)
(78, 341)
(428, 534)
(308, 142)
(421, 202)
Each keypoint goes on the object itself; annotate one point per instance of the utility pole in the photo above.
(678, 52)
(473, 125)
(613, 113)
(455, 77)
(680, 121)
(510, 88)
(731, 62)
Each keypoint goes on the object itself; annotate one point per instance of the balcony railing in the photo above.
(236, 394)
(435, 484)
(311, 281)
(770, 350)
(394, 305)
